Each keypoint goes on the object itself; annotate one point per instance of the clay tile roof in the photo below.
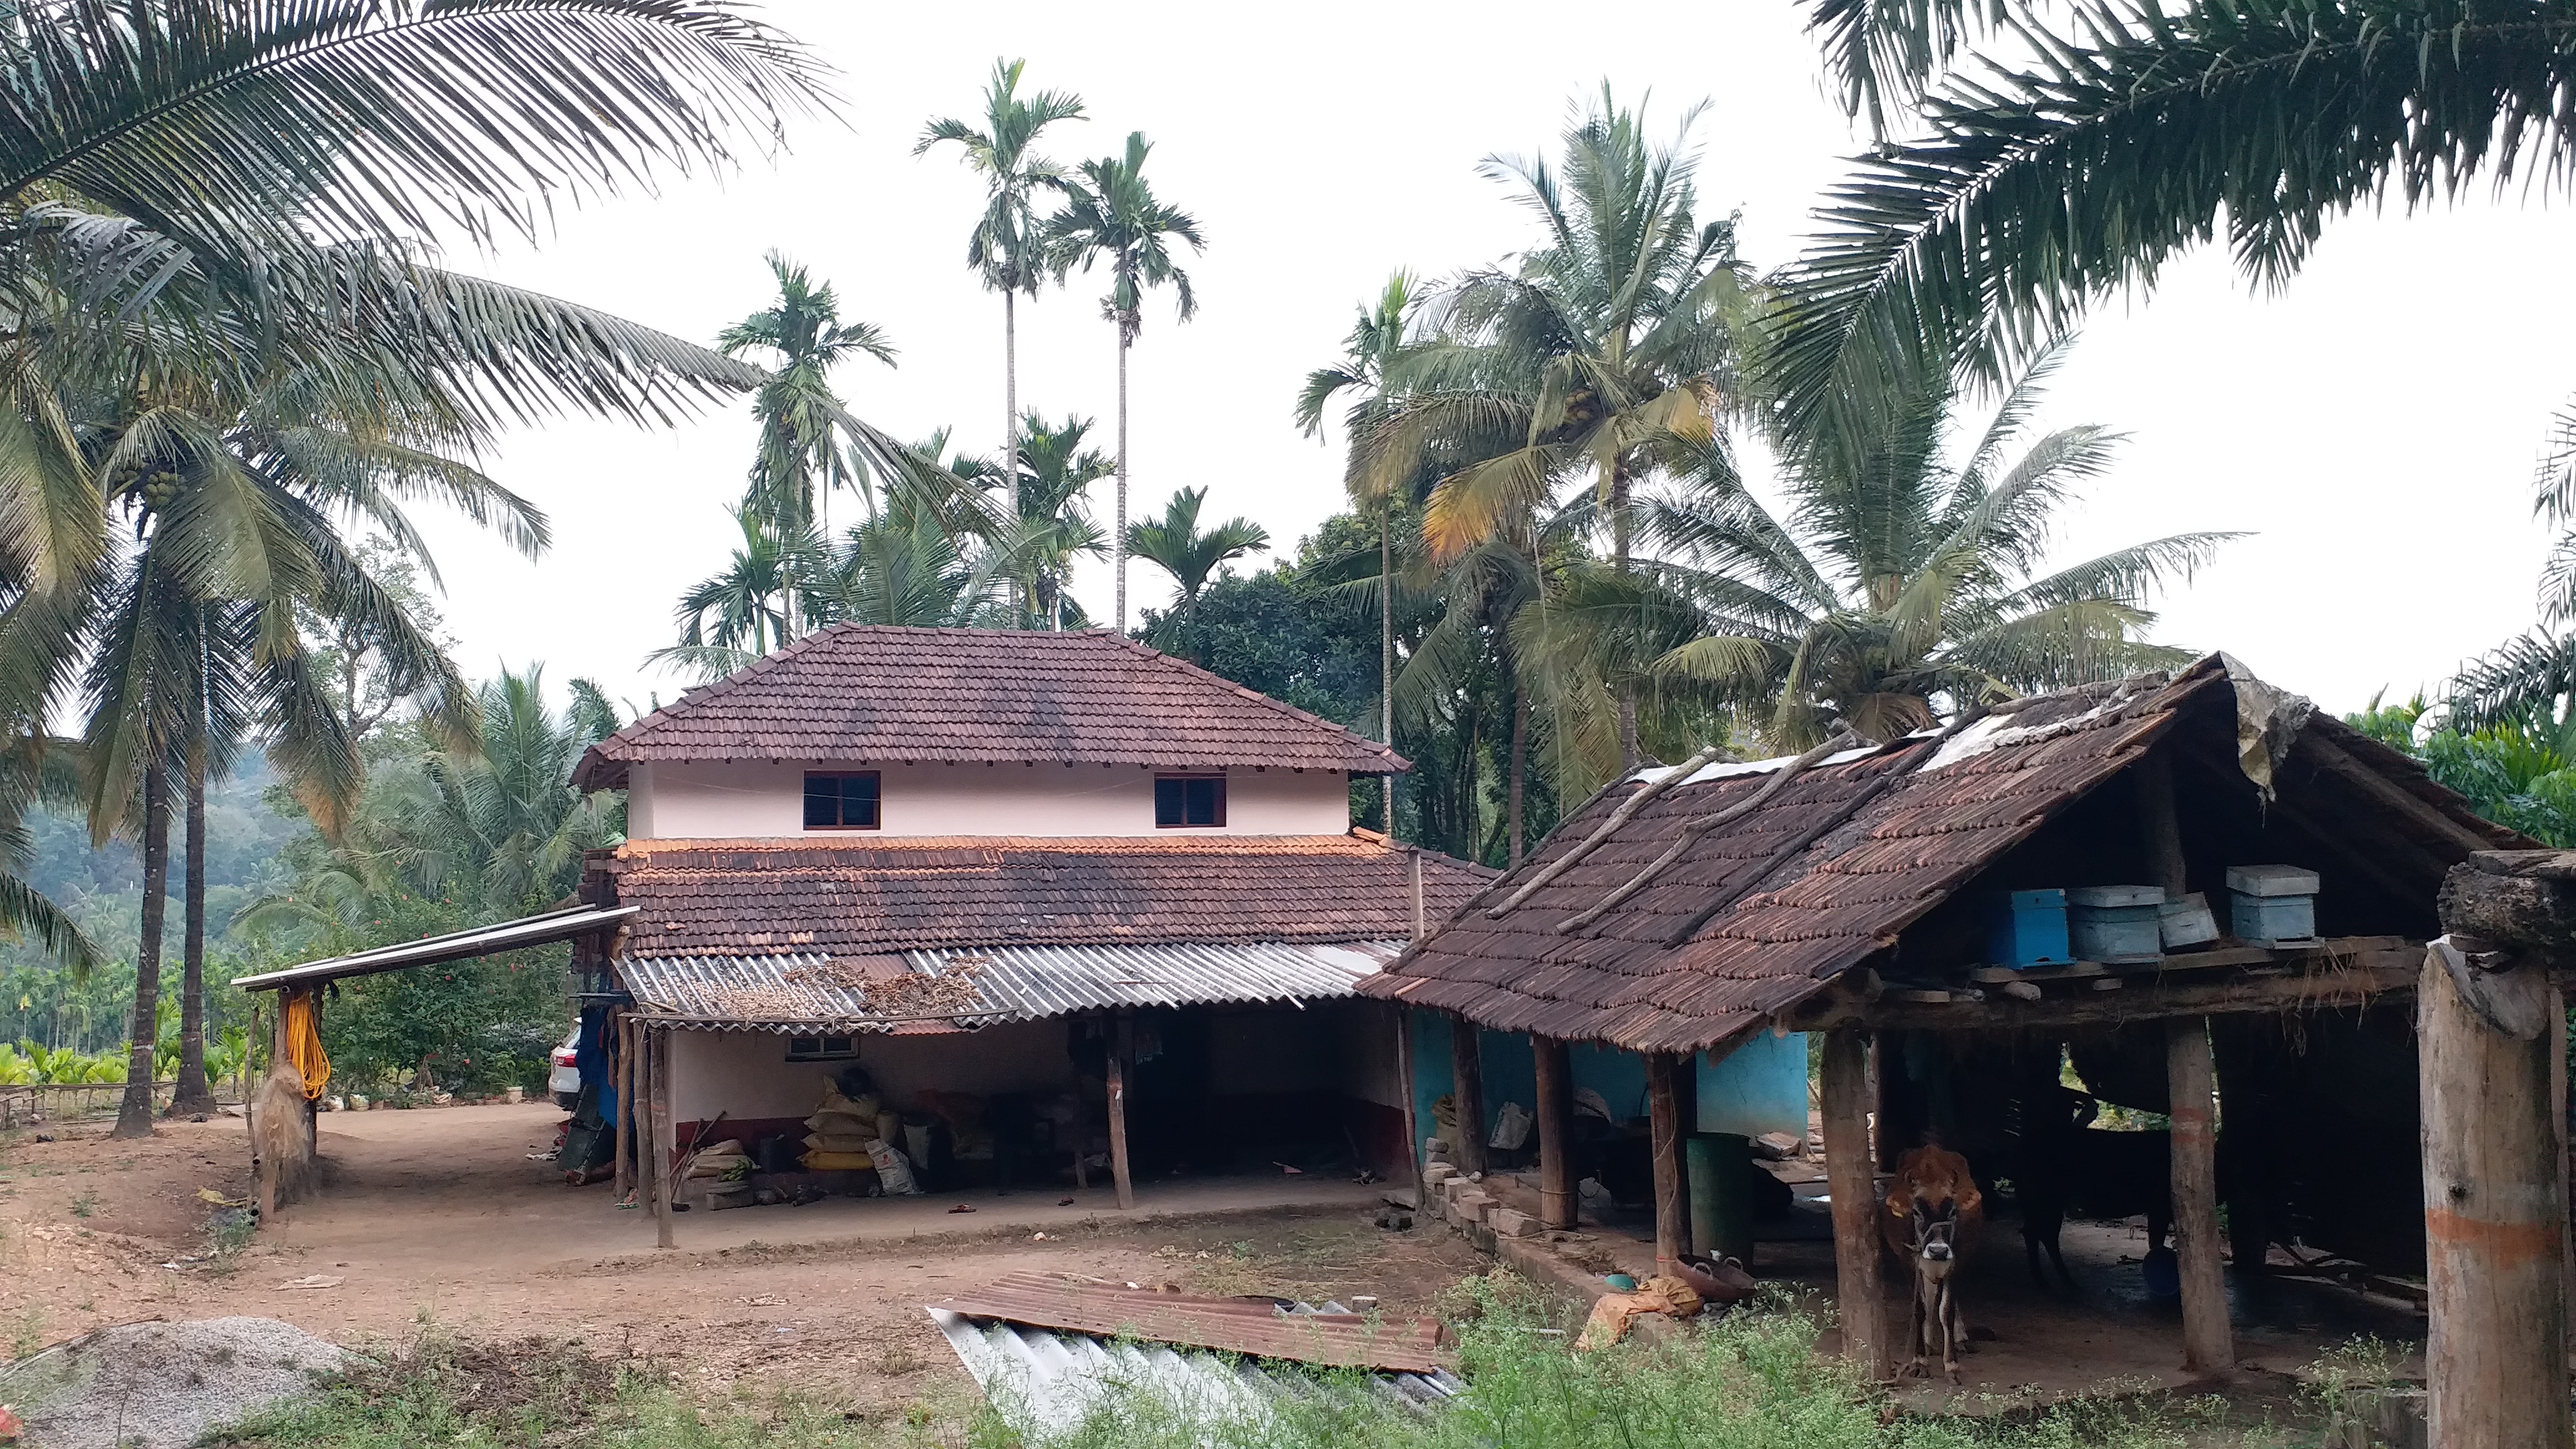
(880, 693)
(1821, 910)
(712, 898)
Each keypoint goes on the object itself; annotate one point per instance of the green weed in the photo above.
(85, 1204)
(30, 1334)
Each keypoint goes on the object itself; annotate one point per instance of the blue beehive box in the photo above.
(2027, 928)
(2270, 904)
(2116, 923)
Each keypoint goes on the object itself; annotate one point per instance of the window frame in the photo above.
(806, 795)
(1184, 779)
(821, 1048)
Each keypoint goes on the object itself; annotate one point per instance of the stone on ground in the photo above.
(161, 1385)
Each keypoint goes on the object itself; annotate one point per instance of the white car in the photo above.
(565, 1080)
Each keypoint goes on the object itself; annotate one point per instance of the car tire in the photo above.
(568, 1100)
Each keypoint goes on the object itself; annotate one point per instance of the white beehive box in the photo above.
(2272, 904)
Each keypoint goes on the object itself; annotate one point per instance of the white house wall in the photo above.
(675, 801)
(746, 1074)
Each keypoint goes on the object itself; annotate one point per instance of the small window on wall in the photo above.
(840, 799)
(1182, 801)
(820, 1048)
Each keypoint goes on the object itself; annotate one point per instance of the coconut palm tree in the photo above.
(1055, 476)
(1375, 341)
(1604, 358)
(801, 460)
(2098, 140)
(1904, 575)
(1006, 248)
(1111, 217)
(742, 613)
(1174, 544)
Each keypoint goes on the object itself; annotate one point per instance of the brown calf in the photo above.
(1930, 1207)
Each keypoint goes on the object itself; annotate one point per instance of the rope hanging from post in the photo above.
(303, 1033)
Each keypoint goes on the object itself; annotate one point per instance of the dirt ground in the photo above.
(440, 1217)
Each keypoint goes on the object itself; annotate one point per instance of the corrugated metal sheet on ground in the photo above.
(1011, 983)
(1258, 1327)
(1045, 1380)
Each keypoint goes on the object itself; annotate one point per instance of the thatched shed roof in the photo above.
(1853, 851)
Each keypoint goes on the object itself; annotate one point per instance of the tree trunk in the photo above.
(1021, 603)
(1118, 536)
(1554, 1071)
(2207, 1345)
(1467, 1092)
(1517, 794)
(194, 1094)
(1386, 648)
(1664, 1145)
(1629, 754)
(134, 1114)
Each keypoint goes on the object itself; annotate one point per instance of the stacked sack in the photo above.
(838, 1134)
(724, 1160)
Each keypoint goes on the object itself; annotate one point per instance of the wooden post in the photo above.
(623, 1078)
(2207, 1347)
(1404, 1079)
(2495, 1359)
(1467, 1071)
(1664, 1128)
(1120, 1047)
(1555, 1109)
(1854, 1187)
(657, 1128)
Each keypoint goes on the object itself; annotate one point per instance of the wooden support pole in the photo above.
(1555, 1109)
(1854, 1188)
(1467, 1092)
(1664, 1136)
(1121, 1047)
(622, 1077)
(1404, 1079)
(2207, 1345)
(657, 1128)
(2495, 1357)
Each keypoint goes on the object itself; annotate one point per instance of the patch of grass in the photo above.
(85, 1204)
(30, 1331)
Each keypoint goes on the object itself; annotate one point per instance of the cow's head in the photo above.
(1936, 1233)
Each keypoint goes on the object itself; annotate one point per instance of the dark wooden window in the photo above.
(840, 799)
(1182, 801)
(820, 1048)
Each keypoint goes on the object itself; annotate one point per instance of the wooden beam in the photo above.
(1467, 1091)
(2391, 795)
(1403, 1015)
(1664, 1136)
(657, 1057)
(2159, 827)
(2336, 981)
(1555, 1110)
(623, 1080)
(2361, 862)
(2495, 1358)
(1854, 1187)
(2191, 1082)
(1121, 1047)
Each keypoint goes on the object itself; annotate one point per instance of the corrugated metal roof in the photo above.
(542, 929)
(809, 991)
(1045, 1380)
(1260, 1327)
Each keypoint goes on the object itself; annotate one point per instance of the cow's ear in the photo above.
(1897, 1206)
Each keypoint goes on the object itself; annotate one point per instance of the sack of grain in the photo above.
(839, 1142)
(893, 1171)
(838, 1162)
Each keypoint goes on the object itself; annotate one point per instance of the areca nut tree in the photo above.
(1007, 248)
(1375, 340)
(800, 460)
(1054, 477)
(1905, 575)
(2101, 140)
(1112, 218)
(1605, 356)
(1177, 545)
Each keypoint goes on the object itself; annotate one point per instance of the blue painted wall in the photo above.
(1759, 1087)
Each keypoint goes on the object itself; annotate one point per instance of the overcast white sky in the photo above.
(2374, 426)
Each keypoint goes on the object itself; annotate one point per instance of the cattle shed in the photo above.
(1862, 891)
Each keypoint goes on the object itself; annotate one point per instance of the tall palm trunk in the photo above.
(1386, 647)
(193, 1094)
(1021, 588)
(1118, 536)
(1619, 521)
(1518, 791)
(134, 1114)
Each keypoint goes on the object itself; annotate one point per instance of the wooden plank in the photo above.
(1121, 1048)
(2391, 795)
(1555, 1113)
(657, 1057)
(1664, 1143)
(2191, 1082)
(1996, 975)
(1467, 1091)
(2110, 983)
(2350, 981)
(1854, 1189)
(1404, 1077)
(624, 1080)
(2495, 1354)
